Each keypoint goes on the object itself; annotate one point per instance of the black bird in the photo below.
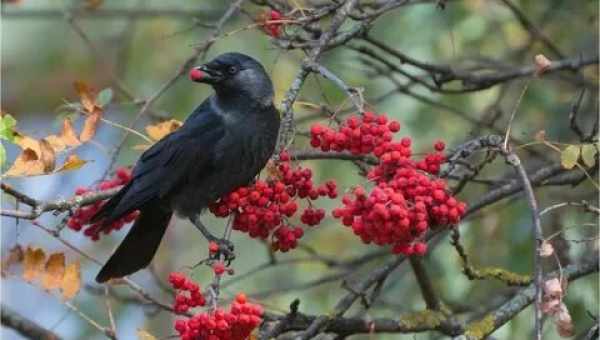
(222, 145)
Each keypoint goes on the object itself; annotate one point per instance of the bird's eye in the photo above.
(232, 70)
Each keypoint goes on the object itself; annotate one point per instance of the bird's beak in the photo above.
(205, 74)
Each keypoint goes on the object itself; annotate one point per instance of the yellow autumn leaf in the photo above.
(54, 271)
(71, 281)
(588, 154)
(145, 335)
(73, 162)
(33, 263)
(569, 156)
(158, 131)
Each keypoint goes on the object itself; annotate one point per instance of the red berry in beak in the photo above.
(196, 74)
(275, 15)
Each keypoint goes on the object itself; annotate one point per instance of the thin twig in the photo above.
(514, 113)
(105, 330)
(514, 160)
(111, 318)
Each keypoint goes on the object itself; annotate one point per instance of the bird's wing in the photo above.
(167, 163)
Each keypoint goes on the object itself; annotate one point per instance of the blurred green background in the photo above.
(42, 56)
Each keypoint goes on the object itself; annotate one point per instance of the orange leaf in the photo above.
(87, 96)
(71, 281)
(26, 164)
(65, 139)
(158, 131)
(37, 158)
(55, 270)
(90, 125)
(47, 156)
(33, 263)
(15, 256)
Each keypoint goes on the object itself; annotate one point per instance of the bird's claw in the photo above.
(225, 250)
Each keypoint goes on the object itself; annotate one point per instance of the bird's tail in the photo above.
(139, 246)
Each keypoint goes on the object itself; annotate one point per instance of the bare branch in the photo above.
(27, 328)
(286, 129)
(522, 299)
(61, 205)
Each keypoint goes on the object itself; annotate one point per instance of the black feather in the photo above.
(139, 246)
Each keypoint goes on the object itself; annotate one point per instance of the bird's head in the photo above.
(235, 74)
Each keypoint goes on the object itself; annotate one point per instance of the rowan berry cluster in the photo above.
(81, 216)
(263, 208)
(407, 198)
(273, 29)
(360, 136)
(235, 323)
(183, 285)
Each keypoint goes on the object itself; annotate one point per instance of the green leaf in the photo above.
(104, 97)
(588, 154)
(2, 155)
(7, 124)
(569, 156)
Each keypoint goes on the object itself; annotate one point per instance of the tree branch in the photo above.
(27, 328)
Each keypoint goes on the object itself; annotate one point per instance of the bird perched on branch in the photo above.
(222, 145)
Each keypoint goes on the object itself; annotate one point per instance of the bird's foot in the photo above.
(221, 249)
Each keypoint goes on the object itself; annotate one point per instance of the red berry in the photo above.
(241, 298)
(420, 248)
(213, 247)
(219, 268)
(439, 146)
(196, 74)
(394, 126)
(275, 15)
